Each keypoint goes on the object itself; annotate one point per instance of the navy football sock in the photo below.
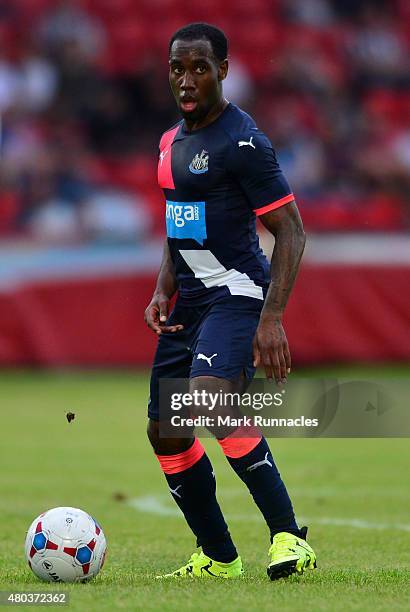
(194, 490)
(260, 474)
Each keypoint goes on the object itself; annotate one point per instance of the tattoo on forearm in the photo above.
(289, 246)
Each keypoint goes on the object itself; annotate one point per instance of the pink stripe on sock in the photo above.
(240, 442)
(171, 464)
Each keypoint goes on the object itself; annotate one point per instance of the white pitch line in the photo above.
(156, 504)
(356, 523)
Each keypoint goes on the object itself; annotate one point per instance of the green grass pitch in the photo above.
(353, 494)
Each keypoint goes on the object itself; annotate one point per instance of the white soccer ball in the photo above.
(65, 545)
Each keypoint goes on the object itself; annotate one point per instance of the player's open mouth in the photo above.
(188, 106)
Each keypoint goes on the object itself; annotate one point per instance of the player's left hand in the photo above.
(156, 315)
(271, 349)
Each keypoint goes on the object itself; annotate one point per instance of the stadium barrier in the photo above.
(337, 313)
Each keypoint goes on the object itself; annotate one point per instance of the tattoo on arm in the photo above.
(286, 226)
(166, 281)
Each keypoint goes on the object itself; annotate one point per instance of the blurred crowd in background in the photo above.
(84, 98)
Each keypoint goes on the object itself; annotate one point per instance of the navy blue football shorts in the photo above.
(216, 341)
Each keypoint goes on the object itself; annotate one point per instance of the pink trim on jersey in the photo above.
(165, 178)
(273, 205)
(241, 442)
(172, 464)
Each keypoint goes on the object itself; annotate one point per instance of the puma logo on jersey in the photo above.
(175, 491)
(259, 464)
(246, 143)
(162, 155)
(208, 359)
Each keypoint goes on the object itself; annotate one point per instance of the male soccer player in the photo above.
(218, 172)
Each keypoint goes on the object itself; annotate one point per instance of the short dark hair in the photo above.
(198, 31)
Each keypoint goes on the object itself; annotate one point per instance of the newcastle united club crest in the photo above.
(199, 164)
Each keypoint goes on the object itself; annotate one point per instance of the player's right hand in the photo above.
(156, 315)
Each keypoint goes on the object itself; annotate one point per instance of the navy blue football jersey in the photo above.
(216, 180)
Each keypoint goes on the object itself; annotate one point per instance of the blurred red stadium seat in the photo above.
(255, 52)
(335, 214)
(108, 10)
(8, 211)
(30, 10)
(126, 44)
(389, 105)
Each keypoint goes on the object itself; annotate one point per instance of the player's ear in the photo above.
(223, 70)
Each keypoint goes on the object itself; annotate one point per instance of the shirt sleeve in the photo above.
(253, 164)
